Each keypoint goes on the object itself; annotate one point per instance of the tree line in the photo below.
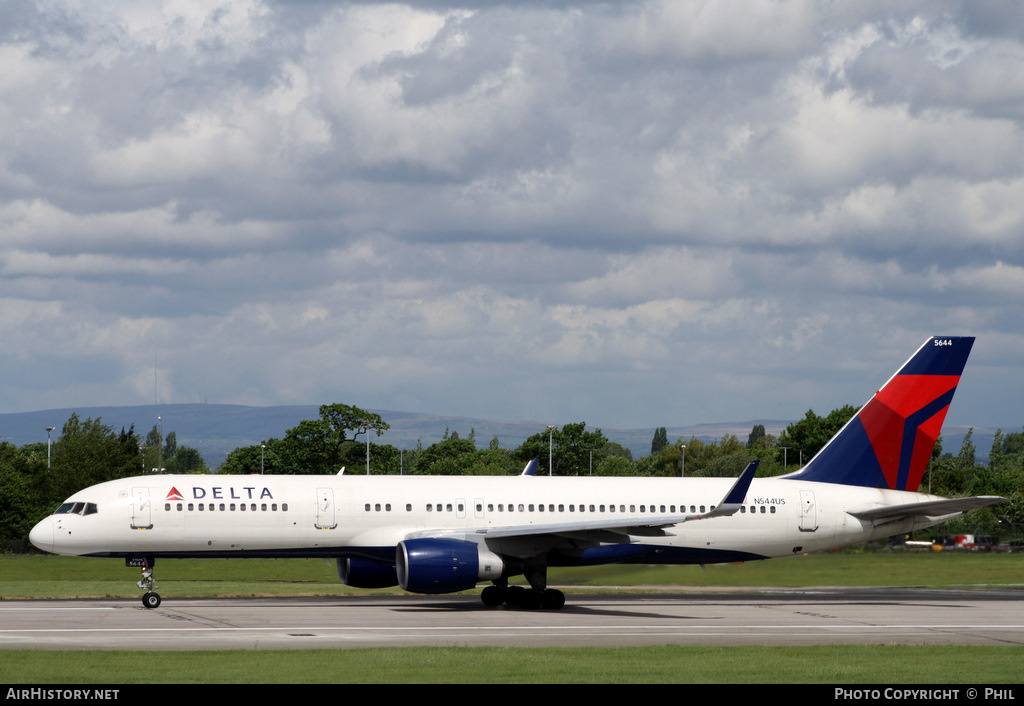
(89, 452)
(37, 477)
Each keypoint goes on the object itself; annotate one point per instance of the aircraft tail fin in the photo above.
(889, 442)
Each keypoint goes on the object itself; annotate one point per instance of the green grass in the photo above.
(933, 569)
(842, 664)
(63, 577)
(67, 577)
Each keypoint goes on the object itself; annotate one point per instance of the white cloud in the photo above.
(505, 208)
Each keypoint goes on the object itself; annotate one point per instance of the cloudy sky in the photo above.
(633, 214)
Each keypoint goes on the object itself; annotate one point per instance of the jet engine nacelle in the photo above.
(431, 565)
(362, 573)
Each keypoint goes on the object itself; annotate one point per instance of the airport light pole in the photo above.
(160, 445)
(682, 461)
(263, 448)
(48, 444)
(551, 431)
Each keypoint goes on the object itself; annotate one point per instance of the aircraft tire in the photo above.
(514, 596)
(531, 600)
(151, 600)
(493, 596)
(552, 599)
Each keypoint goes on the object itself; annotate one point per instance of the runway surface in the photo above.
(808, 616)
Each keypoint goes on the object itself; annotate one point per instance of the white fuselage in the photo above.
(218, 516)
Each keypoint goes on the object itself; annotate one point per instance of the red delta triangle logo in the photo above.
(885, 416)
(173, 494)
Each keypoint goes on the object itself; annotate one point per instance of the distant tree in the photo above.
(451, 456)
(23, 500)
(615, 466)
(756, 434)
(90, 452)
(614, 448)
(967, 451)
(570, 448)
(322, 446)
(996, 453)
(726, 466)
(493, 462)
(812, 432)
(384, 460)
(186, 460)
(244, 460)
(316, 446)
(1013, 443)
(168, 456)
(659, 441)
(170, 445)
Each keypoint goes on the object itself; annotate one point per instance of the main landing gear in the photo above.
(522, 597)
(150, 599)
(538, 595)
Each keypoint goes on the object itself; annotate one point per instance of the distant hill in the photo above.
(217, 429)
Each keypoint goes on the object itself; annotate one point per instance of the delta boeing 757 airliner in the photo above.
(440, 534)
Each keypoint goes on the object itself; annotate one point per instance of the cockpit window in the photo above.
(76, 509)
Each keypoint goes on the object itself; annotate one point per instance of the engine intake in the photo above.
(431, 565)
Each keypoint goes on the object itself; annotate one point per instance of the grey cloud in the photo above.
(536, 210)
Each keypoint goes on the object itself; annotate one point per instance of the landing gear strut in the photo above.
(150, 599)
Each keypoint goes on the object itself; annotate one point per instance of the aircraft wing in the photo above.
(649, 526)
(932, 508)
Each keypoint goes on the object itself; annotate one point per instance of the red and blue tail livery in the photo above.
(889, 442)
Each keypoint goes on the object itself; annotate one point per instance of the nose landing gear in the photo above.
(150, 599)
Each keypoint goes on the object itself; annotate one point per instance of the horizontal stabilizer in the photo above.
(931, 508)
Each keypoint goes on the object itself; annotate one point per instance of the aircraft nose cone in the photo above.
(41, 535)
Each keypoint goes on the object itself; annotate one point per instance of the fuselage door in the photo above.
(325, 508)
(808, 511)
(142, 509)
